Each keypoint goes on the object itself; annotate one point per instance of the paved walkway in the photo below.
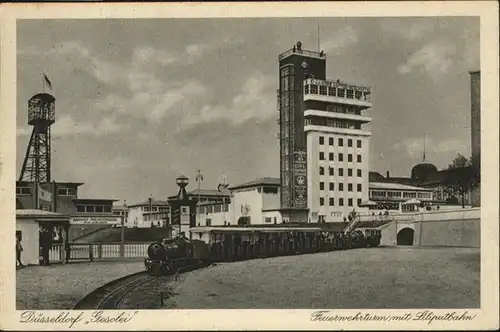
(61, 286)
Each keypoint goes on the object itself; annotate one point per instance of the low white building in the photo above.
(391, 196)
(254, 202)
(148, 214)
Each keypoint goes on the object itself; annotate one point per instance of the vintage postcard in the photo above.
(235, 166)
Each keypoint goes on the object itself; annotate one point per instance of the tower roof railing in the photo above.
(295, 50)
(339, 84)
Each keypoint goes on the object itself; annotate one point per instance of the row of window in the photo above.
(213, 209)
(66, 192)
(331, 171)
(60, 191)
(23, 191)
(334, 123)
(331, 186)
(155, 209)
(399, 194)
(335, 92)
(343, 109)
(340, 142)
(359, 158)
(331, 201)
(94, 208)
(154, 217)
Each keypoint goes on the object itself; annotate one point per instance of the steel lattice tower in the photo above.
(41, 115)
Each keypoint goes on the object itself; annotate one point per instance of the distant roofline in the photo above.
(146, 203)
(72, 183)
(96, 199)
(265, 181)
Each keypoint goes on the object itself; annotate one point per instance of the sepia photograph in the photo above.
(323, 163)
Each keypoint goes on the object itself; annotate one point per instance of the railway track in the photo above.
(112, 294)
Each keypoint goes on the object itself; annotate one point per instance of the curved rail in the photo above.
(111, 294)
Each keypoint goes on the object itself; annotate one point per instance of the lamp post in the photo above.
(122, 231)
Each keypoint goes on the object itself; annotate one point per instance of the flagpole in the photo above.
(43, 82)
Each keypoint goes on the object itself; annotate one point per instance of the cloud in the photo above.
(66, 126)
(435, 59)
(404, 29)
(341, 39)
(174, 96)
(146, 54)
(253, 102)
(414, 147)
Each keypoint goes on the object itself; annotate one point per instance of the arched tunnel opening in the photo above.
(405, 237)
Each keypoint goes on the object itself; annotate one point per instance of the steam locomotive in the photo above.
(170, 254)
(240, 243)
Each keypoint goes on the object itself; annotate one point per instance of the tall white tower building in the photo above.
(337, 148)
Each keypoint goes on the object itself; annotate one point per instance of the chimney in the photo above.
(387, 174)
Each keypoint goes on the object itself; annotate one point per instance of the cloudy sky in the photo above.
(140, 102)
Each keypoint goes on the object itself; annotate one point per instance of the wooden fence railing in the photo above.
(97, 251)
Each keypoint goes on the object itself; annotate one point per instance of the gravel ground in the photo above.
(61, 286)
(390, 277)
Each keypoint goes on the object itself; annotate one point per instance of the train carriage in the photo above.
(227, 244)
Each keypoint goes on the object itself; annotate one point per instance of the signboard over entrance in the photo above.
(111, 220)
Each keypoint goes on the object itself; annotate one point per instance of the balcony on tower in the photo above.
(297, 50)
(337, 92)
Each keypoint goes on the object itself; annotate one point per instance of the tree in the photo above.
(460, 177)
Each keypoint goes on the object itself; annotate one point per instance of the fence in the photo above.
(97, 251)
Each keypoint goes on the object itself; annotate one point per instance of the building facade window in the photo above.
(359, 143)
(349, 143)
(332, 91)
(321, 170)
(321, 140)
(341, 172)
(330, 141)
(349, 202)
(321, 186)
(349, 172)
(341, 93)
(330, 156)
(341, 157)
(341, 202)
(314, 89)
(66, 192)
(359, 201)
(321, 201)
(349, 187)
(359, 187)
(330, 170)
(360, 173)
(349, 158)
(332, 188)
(321, 156)
(322, 90)
(331, 201)
(341, 187)
(359, 158)
(341, 142)
(23, 191)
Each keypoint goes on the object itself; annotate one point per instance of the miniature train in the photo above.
(228, 244)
